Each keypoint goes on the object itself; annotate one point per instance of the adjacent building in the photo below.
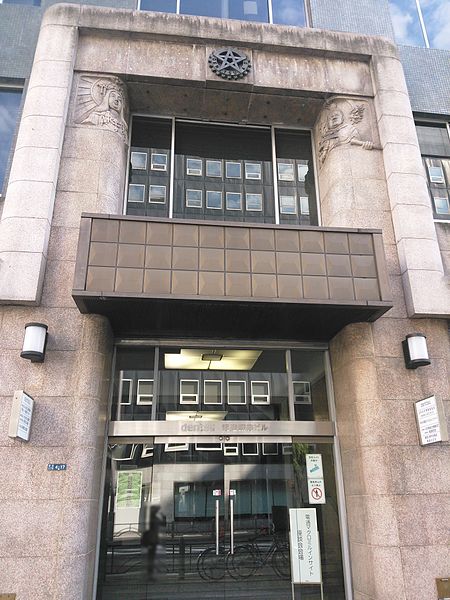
(224, 223)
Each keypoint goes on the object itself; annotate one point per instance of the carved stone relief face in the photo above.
(343, 122)
(102, 102)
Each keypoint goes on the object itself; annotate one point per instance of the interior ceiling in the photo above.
(223, 105)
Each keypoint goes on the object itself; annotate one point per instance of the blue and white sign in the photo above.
(305, 547)
(314, 469)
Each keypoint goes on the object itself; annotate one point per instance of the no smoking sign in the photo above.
(316, 491)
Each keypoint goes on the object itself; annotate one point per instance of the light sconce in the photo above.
(415, 351)
(34, 342)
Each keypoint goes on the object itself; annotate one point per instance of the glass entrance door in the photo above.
(210, 520)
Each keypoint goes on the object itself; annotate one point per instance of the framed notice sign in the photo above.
(129, 486)
(431, 421)
(21, 416)
(305, 547)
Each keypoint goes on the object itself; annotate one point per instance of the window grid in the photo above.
(229, 199)
(303, 12)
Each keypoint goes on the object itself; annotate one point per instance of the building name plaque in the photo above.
(305, 547)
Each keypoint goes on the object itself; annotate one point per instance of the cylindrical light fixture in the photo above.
(415, 351)
(34, 342)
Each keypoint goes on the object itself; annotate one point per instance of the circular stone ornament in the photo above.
(229, 63)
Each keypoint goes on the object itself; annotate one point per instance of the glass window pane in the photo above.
(194, 166)
(433, 139)
(405, 20)
(168, 6)
(29, 2)
(159, 162)
(205, 8)
(213, 168)
(136, 192)
(253, 202)
(194, 198)
(288, 205)
(436, 174)
(285, 171)
(9, 111)
(304, 205)
(213, 199)
(139, 161)
(289, 12)
(157, 194)
(212, 392)
(441, 202)
(233, 170)
(234, 201)
(252, 170)
(248, 10)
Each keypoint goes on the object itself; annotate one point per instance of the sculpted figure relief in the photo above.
(102, 101)
(338, 127)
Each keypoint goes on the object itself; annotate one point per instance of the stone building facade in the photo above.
(71, 258)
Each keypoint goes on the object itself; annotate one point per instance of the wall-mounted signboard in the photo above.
(305, 547)
(431, 421)
(21, 416)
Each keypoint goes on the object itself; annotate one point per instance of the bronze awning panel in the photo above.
(161, 277)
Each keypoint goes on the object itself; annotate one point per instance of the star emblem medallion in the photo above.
(229, 63)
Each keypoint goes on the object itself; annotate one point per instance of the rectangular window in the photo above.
(168, 6)
(139, 161)
(194, 167)
(285, 171)
(233, 170)
(194, 198)
(253, 202)
(304, 205)
(260, 392)
(188, 391)
(136, 192)
(236, 392)
(441, 204)
(288, 205)
(208, 447)
(270, 449)
(250, 449)
(125, 391)
(144, 391)
(231, 449)
(159, 162)
(252, 170)
(157, 194)
(9, 111)
(436, 174)
(176, 447)
(302, 392)
(289, 12)
(234, 201)
(214, 199)
(302, 170)
(213, 168)
(212, 391)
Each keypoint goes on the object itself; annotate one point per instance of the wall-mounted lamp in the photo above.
(34, 342)
(415, 351)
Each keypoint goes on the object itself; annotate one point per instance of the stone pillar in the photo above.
(395, 503)
(32, 182)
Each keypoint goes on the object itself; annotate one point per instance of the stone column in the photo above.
(394, 501)
(32, 182)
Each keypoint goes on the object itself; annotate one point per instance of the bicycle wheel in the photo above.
(211, 566)
(281, 561)
(243, 562)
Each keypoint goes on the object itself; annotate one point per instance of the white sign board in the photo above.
(305, 547)
(316, 491)
(21, 415)
(314, 469)
(430, 421)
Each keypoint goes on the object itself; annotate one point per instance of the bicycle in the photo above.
(248, 558)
